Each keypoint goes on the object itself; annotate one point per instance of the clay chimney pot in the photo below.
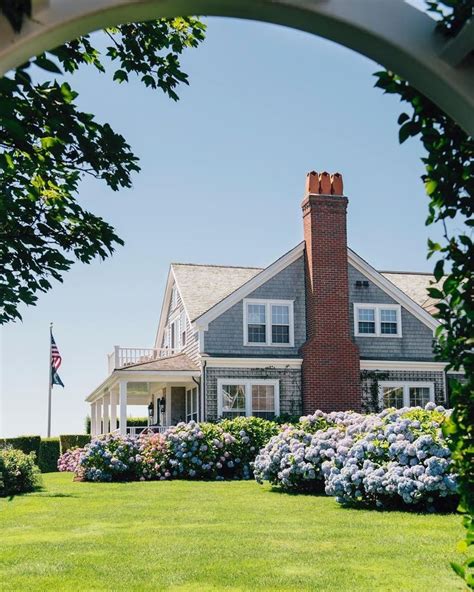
(325, 183)
(337, 184)
(312, 182)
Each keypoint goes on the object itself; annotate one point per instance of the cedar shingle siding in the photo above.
(226, 333)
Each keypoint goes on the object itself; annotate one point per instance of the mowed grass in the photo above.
(197, 536)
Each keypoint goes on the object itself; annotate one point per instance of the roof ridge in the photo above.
(407, 272)
(215, 265)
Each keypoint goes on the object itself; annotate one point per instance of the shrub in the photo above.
(249, 435)
(69, 461)
(294, 458)
(403, 460)
(194, 450)
(19, 473)
(154, 457)
(48, 455)
(73, 441)
(110, 458)
(26, 444)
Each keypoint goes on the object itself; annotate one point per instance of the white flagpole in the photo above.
(50, 380)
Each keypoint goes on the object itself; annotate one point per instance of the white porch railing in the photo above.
(122, 357)
(139, 430)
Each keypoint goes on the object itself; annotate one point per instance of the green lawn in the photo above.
(214, 536)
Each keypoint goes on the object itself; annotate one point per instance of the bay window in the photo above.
(406, 394)
(260, 398)
(377, 320)
(268, 322)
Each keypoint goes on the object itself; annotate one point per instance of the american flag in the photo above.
(56, 360)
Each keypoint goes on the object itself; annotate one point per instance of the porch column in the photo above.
(98, 415)
(113, 410)
(123, 407)
(105, 413)
(93, 419)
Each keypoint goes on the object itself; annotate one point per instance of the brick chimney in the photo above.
(331, 367)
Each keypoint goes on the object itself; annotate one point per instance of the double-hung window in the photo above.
(268, 322)
(406, 394)
(377, 320)
(260, 398)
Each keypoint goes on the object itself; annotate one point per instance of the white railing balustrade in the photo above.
(122, 357)
(148, 430)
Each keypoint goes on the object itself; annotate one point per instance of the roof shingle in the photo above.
(203, 286)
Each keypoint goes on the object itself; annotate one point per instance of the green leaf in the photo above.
(121, 76)
(48, 65)
(430, 186)
(458, 569)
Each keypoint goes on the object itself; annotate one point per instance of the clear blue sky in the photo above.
(222, 181)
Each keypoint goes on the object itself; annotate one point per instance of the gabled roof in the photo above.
(252, 284)
(392, 290)
(208, 290)
(415, 285)
(203, 286)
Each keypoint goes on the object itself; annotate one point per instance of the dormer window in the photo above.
(377, 320)
(268, 323)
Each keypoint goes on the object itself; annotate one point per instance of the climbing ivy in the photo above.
(449, 183)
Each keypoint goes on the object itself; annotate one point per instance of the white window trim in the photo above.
(406, 389)
(268, 321)
(377, 308)
(248, 393)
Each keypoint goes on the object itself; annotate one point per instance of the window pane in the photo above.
(233, 398)
(388, 322)
(388, 316)
(419, 396)
(263, 400)
(393, 396)
(257, 334)
(280, 315)
(366, 320)
(367, 327)
(280, 334)
(256, 314)
(367, 314)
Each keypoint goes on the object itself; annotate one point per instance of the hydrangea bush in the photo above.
(154, 457)
(69, 461)
(18, 472)
(392, 459)
(403, 460)
(110, 458)
(243, 439)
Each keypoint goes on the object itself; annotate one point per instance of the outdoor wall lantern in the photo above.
(162, 403)
(151, 412)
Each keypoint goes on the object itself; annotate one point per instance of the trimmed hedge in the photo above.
(49, 455)
(68, 441)
(26, 444)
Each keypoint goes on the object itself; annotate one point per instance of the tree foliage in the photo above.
(449, 183)
(47, 145)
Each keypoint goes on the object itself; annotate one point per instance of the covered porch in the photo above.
(168, 388)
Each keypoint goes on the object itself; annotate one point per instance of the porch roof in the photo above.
(177, 368)
(178, 362)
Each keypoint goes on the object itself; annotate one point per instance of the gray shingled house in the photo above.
(287, 339)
